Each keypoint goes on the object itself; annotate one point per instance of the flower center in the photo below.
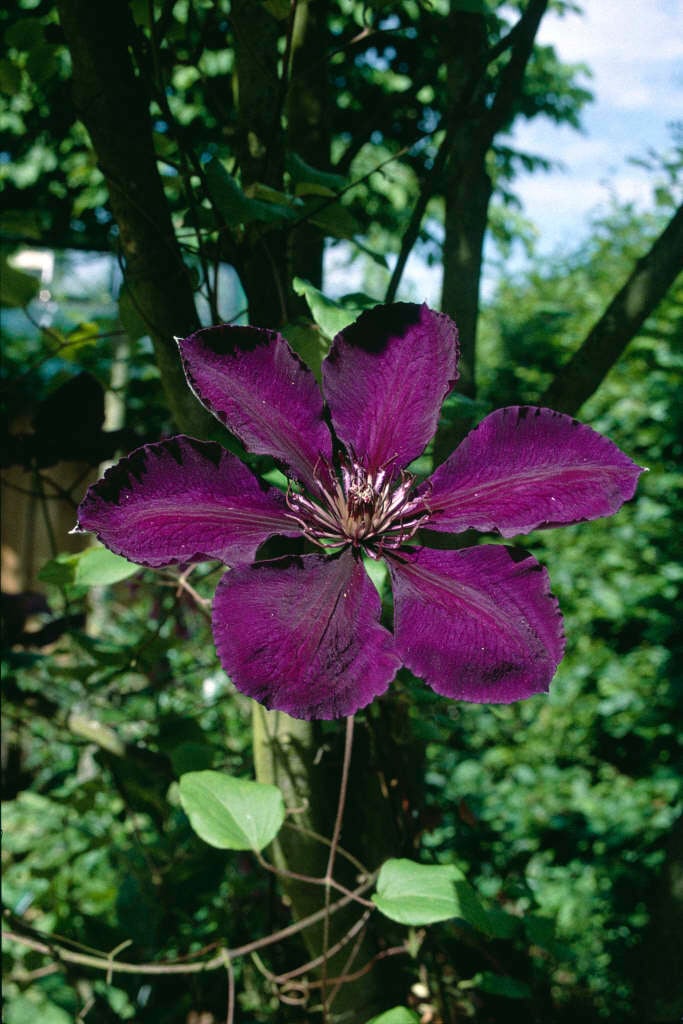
(374, 510)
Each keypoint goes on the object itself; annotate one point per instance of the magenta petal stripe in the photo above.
(302, 635)
(478, 624)
(525, 467)
(385, 379)
(250, 379)
(183, 500)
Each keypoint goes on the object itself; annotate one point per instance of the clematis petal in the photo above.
(183, 500)
(385, 379)
(525, 467)
(479, 624)
(302, 635)
(250, 379)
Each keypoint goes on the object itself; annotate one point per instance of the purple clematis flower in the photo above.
(302, 633)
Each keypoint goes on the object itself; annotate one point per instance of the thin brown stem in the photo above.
(347, 966)
(357, 864)
(296, 876)
(410, 236)
(106, 963)
(231, 992)
(342, 979)
(341, 803)
(343, 785)
(311, 965)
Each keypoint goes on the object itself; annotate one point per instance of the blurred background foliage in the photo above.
(561, 810)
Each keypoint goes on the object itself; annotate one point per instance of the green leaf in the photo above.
(330, 315)
(83, 336)
(469, 6)
(234, 206)
(17, 288)
(272, 196)
(41, 63)
(25, 33)
(98, 567)
(498, 985)
(503, 925)
(397, 1015)
(418, 894)
(10, 78)
(191, 757)
(541, 931)
(310, 344)
(94, 567)
(59, 570)
(332, 218)
(26, 1010)
(232, 814)
(280, 9)
(21, 222)
(310, 180)
(377, 257)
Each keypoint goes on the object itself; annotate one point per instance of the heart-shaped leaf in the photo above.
(232, 814)
(418, 894)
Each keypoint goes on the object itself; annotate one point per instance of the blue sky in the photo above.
(634, 49)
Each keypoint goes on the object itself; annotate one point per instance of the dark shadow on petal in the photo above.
(227, 340)
(376, 326)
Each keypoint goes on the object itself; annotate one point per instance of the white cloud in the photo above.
(635, 52)
(631, 29)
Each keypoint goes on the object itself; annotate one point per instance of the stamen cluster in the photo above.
(373, 510)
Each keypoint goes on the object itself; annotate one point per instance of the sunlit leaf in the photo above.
(309, 343)
(332, 218)
(26, 1010)
(232, 814)
(331, 315)
(94, 567)
(310, 180)
(97, 567)
(397, 1015)
(418, 894)
(81, 337)
(234, 206)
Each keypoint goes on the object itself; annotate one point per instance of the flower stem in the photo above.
(343, 785)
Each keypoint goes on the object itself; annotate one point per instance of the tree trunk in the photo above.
(646, 287)
(308, 122)
(262, 251)
(115, 110)
(468, 193)
(305, 763)
(294, 755)
(467, 188)
(474, 118)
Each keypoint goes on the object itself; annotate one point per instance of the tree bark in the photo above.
(467, 188)
(657, 960)
(292, 754)
(115, 110)
(305, 765)
(652, 277)
(261, 252)
(308, 122)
